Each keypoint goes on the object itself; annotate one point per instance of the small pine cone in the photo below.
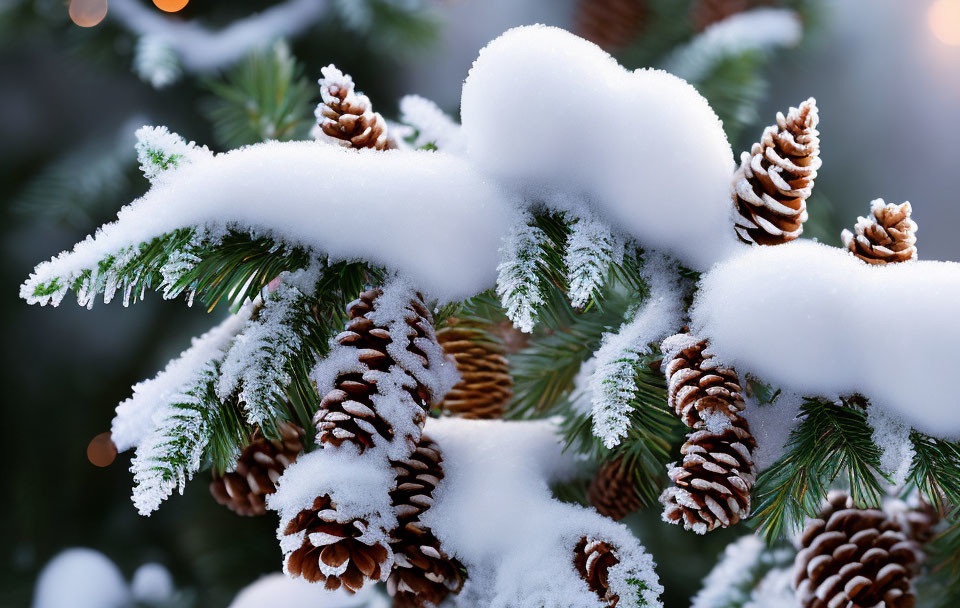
(593, 559)
(705, 13)
(423, 574)
(486, 386)
(347, 117)
(775, 178)
(697, 386)
(332, 552)
(610, 24)
(613, 490)
(887, 236)
(259, 467)
(712, 485)
(853, 558)
(348, 413)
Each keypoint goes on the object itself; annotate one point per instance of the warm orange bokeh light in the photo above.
(944, 20)
(170, 6)
(87, 13)
(101, 452)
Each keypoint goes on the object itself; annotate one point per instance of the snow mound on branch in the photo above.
(493, 510)
(81, 578)
(428, 215)
(760, 29)
(816, 320)
(553, 115)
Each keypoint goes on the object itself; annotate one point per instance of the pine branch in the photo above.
(591, 250)
(175, 450)
(519, 282)
(264, 98)
(935, 471)
(831, 439)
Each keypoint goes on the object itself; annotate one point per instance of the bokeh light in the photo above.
(170, 6)
(87, 13)
(101, 451)
(944, 20)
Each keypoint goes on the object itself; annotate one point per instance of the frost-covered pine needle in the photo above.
(518, 283)
(613, 384)
(160, 150)
(591, 249)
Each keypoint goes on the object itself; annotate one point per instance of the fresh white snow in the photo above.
(817, 321)
(554, 116)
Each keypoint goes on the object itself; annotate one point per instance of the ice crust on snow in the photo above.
(817, 321)
(758, 29)
(136, 416)
(425, 214)
(659, 170)
(493, 510)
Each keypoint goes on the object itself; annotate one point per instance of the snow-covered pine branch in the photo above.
(430, 196)
(734, 580)
(592, 249)
(613, 385)
(518, 280)
(759, 29)
(827, 301)
(136, 416)
(256, 363)
(169, 456)
(159, 150)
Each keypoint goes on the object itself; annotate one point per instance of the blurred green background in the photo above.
(889, 98)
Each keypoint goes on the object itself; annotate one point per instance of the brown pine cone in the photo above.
(593, 559)
(613, 490)
(712, 485)
(887, 236)
(347, 117)
(259, 467)
(423, 574)
(331, 552)
(852, 558)
(775, 178)
(486, 386)
(707, 12)
(611, 24)
(348, 413)
(697, 386)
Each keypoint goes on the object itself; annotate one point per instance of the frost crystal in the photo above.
(591, 249)
(613, 384)
(518, 284)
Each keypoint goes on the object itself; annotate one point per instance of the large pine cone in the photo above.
(423, 574)
(712, 485)
(613, 490)
(855, 558)
(347, 117)
(261, 464)
(331, 551)
(887, 236)
(707, 12)
(486, 386)
(775, 178)
(593, 559)
(348, 413)
(611, 24)
(697, 386)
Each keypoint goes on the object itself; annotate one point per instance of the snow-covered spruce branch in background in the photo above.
(433, 126)
(167, 44)
(738, 579)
